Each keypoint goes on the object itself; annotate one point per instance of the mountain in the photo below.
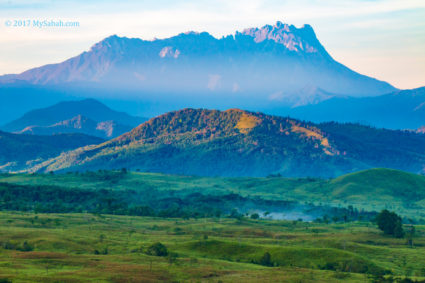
(79, 124)
(258, 67)
(20, 151)
(241, 143)
(398, 110)
(85, 116)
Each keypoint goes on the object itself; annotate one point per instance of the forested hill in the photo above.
(242, 143)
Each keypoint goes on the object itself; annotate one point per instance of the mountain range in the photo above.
(255, 69)
(403, 109)
(87, 116)
(241, 143)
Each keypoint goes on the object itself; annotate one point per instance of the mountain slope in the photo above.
(241, 143)
(263, 65)
(20, 151)
(87, 116)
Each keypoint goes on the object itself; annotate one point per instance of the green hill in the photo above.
(373, 189)
(383, 182)
(240, 143)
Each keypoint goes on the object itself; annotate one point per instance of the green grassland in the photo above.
(62, 249)
(93, 245)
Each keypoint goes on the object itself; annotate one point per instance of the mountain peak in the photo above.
(115, 44)
(109, 41)
(295, 39)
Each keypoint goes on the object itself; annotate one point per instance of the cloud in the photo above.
(213, 81)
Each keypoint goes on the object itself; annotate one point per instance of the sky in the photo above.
(384, 39)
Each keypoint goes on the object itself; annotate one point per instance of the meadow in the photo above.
(108, 248)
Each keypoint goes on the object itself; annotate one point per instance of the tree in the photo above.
(266, 259)
(157, 249)
(255, 216)
(398, 230)
(235, 214)
(410, 234)
(26, 247)
(390, 223)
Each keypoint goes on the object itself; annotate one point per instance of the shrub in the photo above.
(101, 252)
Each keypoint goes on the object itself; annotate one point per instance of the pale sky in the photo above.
(384, 39)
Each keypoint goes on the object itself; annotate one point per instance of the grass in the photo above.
(209, 250)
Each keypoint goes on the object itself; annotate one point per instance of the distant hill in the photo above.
(80, 124)
(87, 116)
(399, 110)
(241, 143)
(20, 151)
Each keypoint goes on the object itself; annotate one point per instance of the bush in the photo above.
(101, 252)
(8, 246)
(26, 247)
(157, 249)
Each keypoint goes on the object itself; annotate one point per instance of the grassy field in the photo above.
(107, 248)
(101, 247)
